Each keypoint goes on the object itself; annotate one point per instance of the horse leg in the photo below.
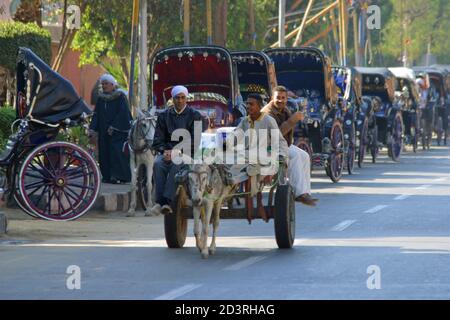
(133, 168)
(216, 220)
(208, 212)
(150, 208)
(197, 212)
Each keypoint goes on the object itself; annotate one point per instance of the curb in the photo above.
(106, 202)
(3, 224)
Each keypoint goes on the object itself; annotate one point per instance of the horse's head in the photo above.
(143, 129)
(197, 182)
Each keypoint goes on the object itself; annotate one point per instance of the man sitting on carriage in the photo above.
(180, 116)
(299, 161)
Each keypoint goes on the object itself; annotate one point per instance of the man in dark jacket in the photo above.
(180, 116)
(111, 122)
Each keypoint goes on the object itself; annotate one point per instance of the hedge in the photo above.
(7, 116)
(17, 34)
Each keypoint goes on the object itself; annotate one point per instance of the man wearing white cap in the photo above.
(180, 116)
(111, 122)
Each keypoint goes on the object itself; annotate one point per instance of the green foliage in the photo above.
(17, 34)
(7, 116)
(426, 22)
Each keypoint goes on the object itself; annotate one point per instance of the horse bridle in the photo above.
(141, 134)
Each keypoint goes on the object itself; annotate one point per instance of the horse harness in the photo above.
(142, 135)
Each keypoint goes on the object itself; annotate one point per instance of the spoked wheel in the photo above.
(439, 130)
(373, 146)
(396, 146)
(284, 217)
(363, 140)
(335, 162)
(58, 181)
(175, 225)
(350, 150)
(305, 146)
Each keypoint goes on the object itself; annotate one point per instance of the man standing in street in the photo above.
(299, 170)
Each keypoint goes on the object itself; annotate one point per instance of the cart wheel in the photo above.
(396, 145)
(363, 139)
(175, 225)
(19, 200)
(284, 217)
(59, 181)
(351, 150)
(335, 163)
(374, 144)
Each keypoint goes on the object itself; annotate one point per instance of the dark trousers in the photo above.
(164, 179)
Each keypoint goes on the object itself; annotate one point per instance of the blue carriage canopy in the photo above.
(256, 73)
(440, 76)
(378, 82)
(43, 95)
(304, 68)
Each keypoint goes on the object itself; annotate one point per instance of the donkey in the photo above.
(140, 140)
(208, 189)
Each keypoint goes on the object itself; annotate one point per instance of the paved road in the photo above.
(382, 233)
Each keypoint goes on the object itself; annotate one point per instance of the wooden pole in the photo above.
(298, 38)
(186, 22)
(134, 34)
(356, 38)
(143, 57)
(209, 22)
(281, 22)
(294, 32)
(335, 34)
(251, 20)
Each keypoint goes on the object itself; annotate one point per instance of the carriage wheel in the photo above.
(284, 217)
(335, 163)
(351, 150)
(396, 145)
(363, 142)
(17, 197)
(374, 144)
(305, 146)
(58, 181)
(175, 225)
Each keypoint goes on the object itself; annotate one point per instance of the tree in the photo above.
(12, 36)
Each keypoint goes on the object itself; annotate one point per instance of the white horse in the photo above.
(140, 139)
(208, 189)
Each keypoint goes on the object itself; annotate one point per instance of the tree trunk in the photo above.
(220, 22)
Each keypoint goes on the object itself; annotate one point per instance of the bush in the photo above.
(7, 116)
(17, 34)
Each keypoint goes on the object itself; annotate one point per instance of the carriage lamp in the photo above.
(205, 55)
(346, 136)
(348, 122)
(180, 55)
(67, 121)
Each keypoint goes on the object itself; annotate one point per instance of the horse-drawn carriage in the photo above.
(407, 97)
(306, 72)
(348, 82)
(210, 74)
(50, 179)
(435, 113)
(255, 73)
(379, 85)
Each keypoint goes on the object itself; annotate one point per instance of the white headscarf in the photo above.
(179, 89)
(109, 78)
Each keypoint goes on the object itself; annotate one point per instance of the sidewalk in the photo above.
(112, 197)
